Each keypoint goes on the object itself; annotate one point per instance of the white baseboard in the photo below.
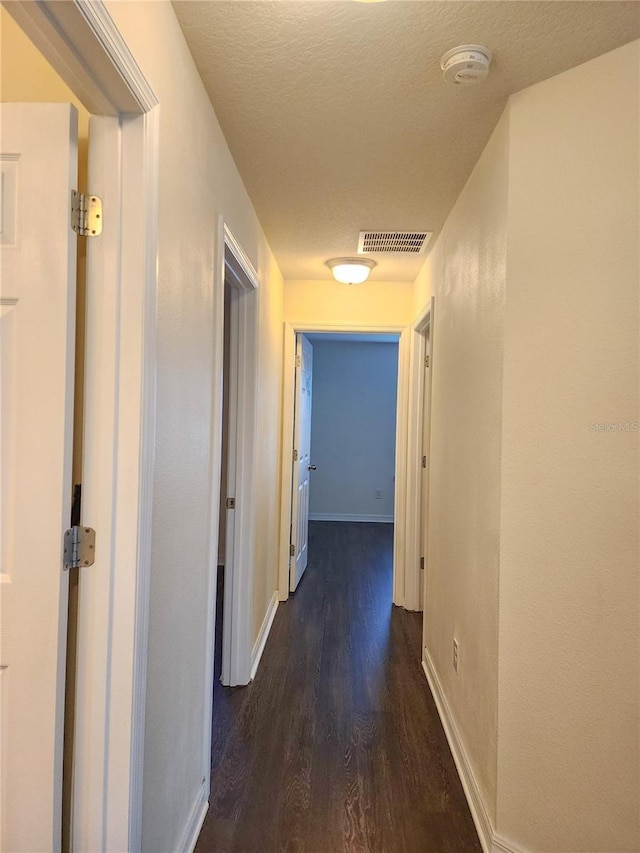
(467, 777)
(501, 845)
(261, 641)
(196, 819)
(489, 839)
(331, 516)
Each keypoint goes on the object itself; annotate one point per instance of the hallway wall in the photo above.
(535, 278)
(466, 270)
(568, 758)
(374, 303)
(198, 181)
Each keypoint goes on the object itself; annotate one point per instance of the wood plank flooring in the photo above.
(336, 747)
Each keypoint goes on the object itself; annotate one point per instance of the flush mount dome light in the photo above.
(351, 270)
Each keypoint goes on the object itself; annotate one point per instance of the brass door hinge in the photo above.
(86, 214)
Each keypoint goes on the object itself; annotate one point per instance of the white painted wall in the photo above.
(467, 270)
(198, 181)
(374, 303)
(533, 557)
(568, 758)
(353, 429)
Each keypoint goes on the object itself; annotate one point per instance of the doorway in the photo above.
(418, 460)
(353, 428)
(222, 517)
(85, 49)
(234, 427)
(395, 482)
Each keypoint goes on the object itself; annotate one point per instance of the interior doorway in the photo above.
(290, 533)
(353, 428)
(418, 459)
(88, 53)
(222, 518)
(234, 425)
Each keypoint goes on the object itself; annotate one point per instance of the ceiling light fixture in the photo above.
(351, 270)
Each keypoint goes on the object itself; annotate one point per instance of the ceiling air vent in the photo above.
(393, 242)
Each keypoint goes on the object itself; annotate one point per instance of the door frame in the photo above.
(414, 519)
(291, 329)
(233, 265)
(82, 43)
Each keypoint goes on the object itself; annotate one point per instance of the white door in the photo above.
(302, 465)
(38, 146)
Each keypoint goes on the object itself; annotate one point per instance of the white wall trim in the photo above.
(263, 634)
(414, 516)
(231, 260)
(86, 49)
(478, 809)
(291, 328)
(490, 840)
(150, 171)
(215, 456)
(400, 497)
(502, 845)
(335, 516)
(239, 540)
(193, 826)
(243, 273)
(121, 59)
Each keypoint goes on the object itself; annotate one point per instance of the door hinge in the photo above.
(422, 562)
(79, 547)
(298, 361)
(424, 461)
(295, 455)
(231, 503)
(86, 214)
(292, 550)
(426, 361)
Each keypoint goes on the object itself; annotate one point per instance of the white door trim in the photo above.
(82, 43)
(237, 637)
(84, 46)
(413, 518)
(291, 329)
(233, 264)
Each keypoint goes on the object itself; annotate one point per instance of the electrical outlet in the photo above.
(378, 494)
(455, 654)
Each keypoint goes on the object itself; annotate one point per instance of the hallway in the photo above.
(336, 745)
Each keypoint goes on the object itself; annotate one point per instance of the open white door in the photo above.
(302, 461)
(37, 326)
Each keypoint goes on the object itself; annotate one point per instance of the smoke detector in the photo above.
(468, 63)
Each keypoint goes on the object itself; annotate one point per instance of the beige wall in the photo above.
(534, 513)
(198, 180)
(423, 285)
(569, 654)
(375, 303)
(25, 75)
(466, 273)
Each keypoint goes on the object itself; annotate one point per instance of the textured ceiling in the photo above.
(339, 119)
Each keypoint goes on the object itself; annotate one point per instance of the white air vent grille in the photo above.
(393, 242)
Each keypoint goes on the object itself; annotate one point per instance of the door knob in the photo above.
(313, 467)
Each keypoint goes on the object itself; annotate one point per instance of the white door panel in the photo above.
(302, 467)
(39, 169)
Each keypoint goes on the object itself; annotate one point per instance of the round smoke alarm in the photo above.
(468, 63)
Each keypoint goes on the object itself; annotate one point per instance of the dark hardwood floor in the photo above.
(336, 747)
